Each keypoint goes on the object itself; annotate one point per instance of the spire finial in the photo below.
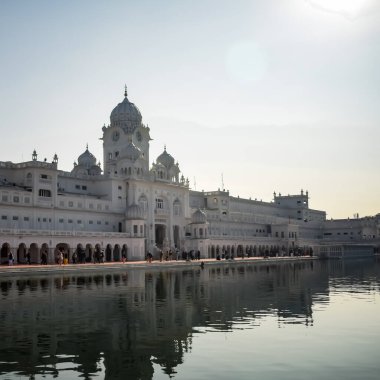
(87, 146)
(165, 147)
(125, 91)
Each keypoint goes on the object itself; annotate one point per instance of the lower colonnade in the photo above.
(35, 253)
(257, 250)
(49, 252)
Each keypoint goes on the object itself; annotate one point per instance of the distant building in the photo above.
(131, 207)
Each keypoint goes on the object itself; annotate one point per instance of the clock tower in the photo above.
(126, 142)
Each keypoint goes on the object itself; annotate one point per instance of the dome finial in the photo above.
(125, 91)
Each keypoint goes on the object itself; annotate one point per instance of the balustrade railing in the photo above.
(23, 232)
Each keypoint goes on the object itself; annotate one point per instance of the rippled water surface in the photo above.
(299, 320)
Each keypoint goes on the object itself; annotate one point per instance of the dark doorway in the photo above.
(176, 236)
(160, 230)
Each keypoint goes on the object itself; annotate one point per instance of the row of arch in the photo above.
(132, 170)
(161, 202)
(240, 250)
(80, 253)
(86, 253)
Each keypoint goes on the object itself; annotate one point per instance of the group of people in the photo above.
(79, 257)
(27, 257)
(167, 255)
(62, 257)
(98, 256)
(191, 255)
(11, 259)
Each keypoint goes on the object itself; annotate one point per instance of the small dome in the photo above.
(134, 212)
(126, 115)
(131, 152)
(87, 159)
(198, 217)
(165, 159)
(86, 164)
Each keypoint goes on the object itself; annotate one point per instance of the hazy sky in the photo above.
(276, 95)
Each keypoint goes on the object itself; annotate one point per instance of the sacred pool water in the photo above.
(295, 320)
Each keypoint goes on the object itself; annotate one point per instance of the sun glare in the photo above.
(346, 7)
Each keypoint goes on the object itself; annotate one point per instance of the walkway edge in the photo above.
(107, 267)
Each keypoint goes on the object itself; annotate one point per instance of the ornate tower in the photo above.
(126, 142)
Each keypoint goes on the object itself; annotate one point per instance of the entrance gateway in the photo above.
(160, 233)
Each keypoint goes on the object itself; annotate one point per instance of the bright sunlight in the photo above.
(347, 7)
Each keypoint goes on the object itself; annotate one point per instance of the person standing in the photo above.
(74, 257)
(28, 257)
(10, 259)
(60, 258)
(124, 254)
(44, 258)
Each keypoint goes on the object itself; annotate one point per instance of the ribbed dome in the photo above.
(87, 159)
(131, 151)
(126, 115)
(165, 159)
(134, 212)
(198, 217)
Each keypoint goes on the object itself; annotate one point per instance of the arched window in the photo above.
(159, 203)
(177, 208)
(143, 203)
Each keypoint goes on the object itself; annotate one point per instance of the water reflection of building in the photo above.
(125, 319)
(131, 206)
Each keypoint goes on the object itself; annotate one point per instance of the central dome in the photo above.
(126, 115)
